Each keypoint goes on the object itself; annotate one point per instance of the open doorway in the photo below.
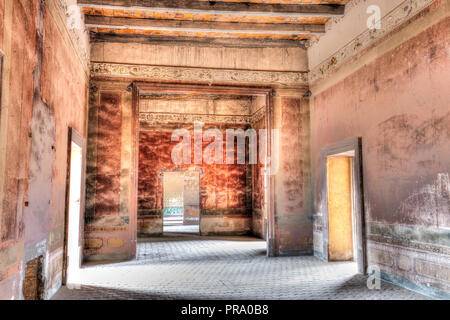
(341, 218)
(344, 224)
(181, 213)
(73, 256)
(222, 205)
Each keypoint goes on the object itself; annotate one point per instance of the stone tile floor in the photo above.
(181, 229)
(181, 266)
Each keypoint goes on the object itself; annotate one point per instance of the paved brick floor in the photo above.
(192, 267)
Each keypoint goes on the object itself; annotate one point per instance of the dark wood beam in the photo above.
(200, 26)
(196, 6)
(196, 41)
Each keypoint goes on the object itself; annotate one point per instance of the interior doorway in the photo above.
(148, 217)
(343, 198)
(341, 218)
(181, 192)
(72, 247)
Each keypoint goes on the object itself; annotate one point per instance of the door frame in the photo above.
(77, 138)
(196, 169)
(143, 87)
(351, 145)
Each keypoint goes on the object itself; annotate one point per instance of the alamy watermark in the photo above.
(374, 20)
(374, 279)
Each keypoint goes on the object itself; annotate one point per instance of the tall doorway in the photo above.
(341, 219)
(222, 205)
(73, 256)
(181, 192)
(343, 198)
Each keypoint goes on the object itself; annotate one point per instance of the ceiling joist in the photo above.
(225, 8)
(201, 26)
(258, 23)
(198, 41)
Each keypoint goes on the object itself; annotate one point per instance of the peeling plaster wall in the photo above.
(44, 93)
(399, 104)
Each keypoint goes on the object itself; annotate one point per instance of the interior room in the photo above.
(225, 150)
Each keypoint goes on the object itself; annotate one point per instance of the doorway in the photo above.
(73, 256)
(343, 198)
(341, 221)
(147, 219)
(181, 212)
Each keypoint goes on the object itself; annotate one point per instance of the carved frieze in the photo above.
(258, 115)
(165, 118)
(155, 118)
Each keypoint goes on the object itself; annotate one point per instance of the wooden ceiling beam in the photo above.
(225, 8)
(201, 26)
(197, 41)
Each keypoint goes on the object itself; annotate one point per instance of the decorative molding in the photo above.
(395, 18)
(204, 75)
(163, 118)
(258, 115)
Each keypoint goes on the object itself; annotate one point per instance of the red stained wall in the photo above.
(107, 200)
(19, 111)
(224, 189)
(47, 94)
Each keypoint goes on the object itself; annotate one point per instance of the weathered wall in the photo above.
(109, 203)
(17, 92)
(224, 189)
(44, 93)
(109, 125)
(292, 198)
(399, 104)
(340, 222)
